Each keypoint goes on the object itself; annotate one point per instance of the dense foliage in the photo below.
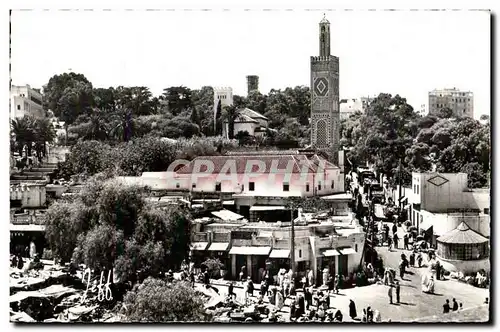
(111, 226)
(158, 301)
(390, 134)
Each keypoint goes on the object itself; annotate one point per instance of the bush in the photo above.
(213, 267)
(157, 301)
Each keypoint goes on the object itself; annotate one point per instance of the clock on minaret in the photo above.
(325, 93)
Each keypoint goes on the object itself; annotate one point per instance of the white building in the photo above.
(352, 105)
(25, 101)
(224, 95)
(250, 121)
(439, 202)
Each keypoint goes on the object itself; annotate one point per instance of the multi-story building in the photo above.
(224, 95)
(25, 100)
(438, 202)
(352, 105)
(335, 244)
(460, 102)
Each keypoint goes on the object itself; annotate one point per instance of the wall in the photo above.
(20, 96)
(31, 196)
(444, 222)
(441, 197)
(465, 266)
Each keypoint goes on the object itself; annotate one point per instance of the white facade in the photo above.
(25, 101)
(224, 95)
(460, 102)
(352, 105)
(443, 201)
(29, 195)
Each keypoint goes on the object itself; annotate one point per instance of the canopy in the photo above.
(267, 208)
(280, 253)
(219, 246)
(425, 225)
(27, 228)
(462, 235)
(331, 253)
(199, 246)
(260, 251)
(227, 215)
(347, 251)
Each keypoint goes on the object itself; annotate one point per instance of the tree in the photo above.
(68, 95)
(44, 133)
(178, 99)
(23, 130)
(218, 120)
(194, 116)
(105, 98)
(213, 266)
(445, 113)
(230, 115)
(157, 301)
(61, 230)
(137, 99)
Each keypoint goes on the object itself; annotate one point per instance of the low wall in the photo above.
(465, 266)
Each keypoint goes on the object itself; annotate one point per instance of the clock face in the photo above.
(321, 86)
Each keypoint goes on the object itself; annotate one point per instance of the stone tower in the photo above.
(325, 114)
(252, 83)
(225, 95)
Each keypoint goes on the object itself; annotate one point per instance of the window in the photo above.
(307, 187)
(417, 188)
(251, 186)
(217, 186)
(177, 185)
(18, 107)
(356, 247)
(319, 185)
(486, 211)
(333, 184)
(286, 187)
(414, 189)
(193, 185)
(300, 253)
(468, 99)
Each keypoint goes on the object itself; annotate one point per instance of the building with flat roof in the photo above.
(460, 102)
(438, 203)
(25, 100)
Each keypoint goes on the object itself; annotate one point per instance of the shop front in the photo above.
(252, 257)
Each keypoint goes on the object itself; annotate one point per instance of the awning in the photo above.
(347, 251)
(267, 208)
(425, 225)
(258, 251)
(227, 215)
(199, 246)
(330, 253)
(27, 228)
(280, 253)
(228, 203)
(218, 246)
(184, 201)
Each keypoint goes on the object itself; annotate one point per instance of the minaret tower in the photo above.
(325, 121)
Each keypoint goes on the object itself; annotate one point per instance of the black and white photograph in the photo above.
(292, 166)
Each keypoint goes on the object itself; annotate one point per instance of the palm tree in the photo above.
(97, 129)
(23, 130)
(121, 124)
(44, 133)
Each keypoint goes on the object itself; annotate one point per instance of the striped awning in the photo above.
(200, 246)
(330, 253)
(347, 251)
(219, 246)
(280, 253)
(258, 251)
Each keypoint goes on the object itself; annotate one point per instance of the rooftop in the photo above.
(462, 235)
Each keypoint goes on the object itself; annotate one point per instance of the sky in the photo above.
(399, 52)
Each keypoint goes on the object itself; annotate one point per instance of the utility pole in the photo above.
(292, 242)
(399, 184)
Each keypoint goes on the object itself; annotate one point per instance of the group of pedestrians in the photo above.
(455, 307)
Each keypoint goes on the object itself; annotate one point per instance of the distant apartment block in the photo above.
(460, 102)
(25, 100)
(352, 105)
